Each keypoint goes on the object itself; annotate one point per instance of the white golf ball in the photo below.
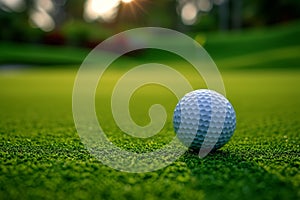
(204, 118)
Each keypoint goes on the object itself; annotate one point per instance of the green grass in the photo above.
(11, 53)
(42, 157)
(276, 47)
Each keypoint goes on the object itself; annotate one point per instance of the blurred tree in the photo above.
(258, 13)
(230, 14)
(59, 12)
(224, 15)
(63, 19)
(237, 14)
(74, 9)
(147, 13)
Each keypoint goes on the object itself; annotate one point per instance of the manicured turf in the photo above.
(41, 155)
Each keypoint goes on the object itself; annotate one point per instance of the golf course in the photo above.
(42, 156)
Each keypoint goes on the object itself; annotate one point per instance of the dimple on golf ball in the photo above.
(204, 118)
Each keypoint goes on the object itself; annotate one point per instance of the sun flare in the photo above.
(127, 1)
(104, 9)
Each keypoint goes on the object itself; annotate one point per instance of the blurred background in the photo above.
(85, 23)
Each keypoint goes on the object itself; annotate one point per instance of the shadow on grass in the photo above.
(224, 175)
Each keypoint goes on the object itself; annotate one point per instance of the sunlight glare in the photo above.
(127, 1)
(104, 9)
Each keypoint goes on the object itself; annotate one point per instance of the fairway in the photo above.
(42, 156)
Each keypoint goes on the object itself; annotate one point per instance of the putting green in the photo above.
(42, 156)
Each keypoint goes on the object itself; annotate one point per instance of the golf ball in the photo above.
(204, 118)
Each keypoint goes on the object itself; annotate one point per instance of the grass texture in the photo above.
(42, 157)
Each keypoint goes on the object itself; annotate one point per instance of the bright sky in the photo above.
(14, 5)
(190, 9)
(189, 13)
(103, 9)
(40, 16)
(127, 1)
